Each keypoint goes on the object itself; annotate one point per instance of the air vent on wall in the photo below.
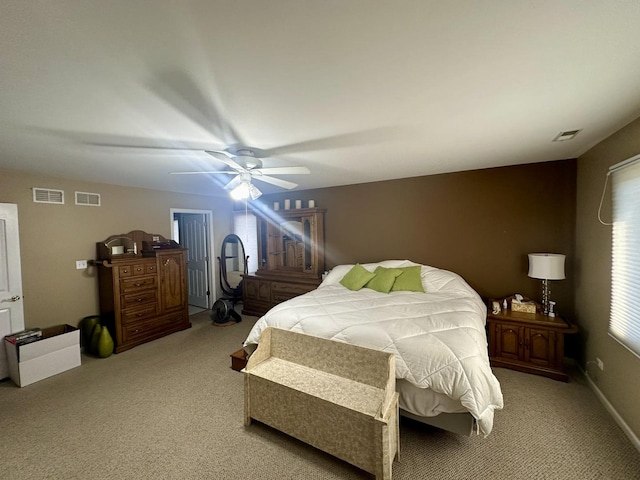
(47, 195)
(90, 199)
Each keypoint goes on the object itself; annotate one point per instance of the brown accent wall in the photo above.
(53, 237)
(618, 382)
(480, 224)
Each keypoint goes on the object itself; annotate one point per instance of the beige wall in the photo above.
(53, 237)
(480, 224)
(619, 380)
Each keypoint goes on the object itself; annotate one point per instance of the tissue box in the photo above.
(239, 360)
(527, 307)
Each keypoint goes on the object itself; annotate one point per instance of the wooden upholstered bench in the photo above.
(338, 397)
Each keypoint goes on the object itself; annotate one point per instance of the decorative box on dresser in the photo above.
(290, 255)
(143, 287)
(528, 342)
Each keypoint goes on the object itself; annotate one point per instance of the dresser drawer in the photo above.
(279, 297)
(140, 297)
(135, 331)
(139, 269)
(138, 314)
(285, 291)
(132, 270)
(125, 271)
(137, 283)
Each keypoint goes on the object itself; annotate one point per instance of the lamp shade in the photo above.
(546, 266)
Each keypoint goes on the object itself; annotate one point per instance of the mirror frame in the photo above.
(234, 293)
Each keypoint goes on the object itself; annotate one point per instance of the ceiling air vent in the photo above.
(568, 135)
(90, 199)
(47, 195)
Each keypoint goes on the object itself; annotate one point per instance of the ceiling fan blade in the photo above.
(123, 141)
(233, 183)
(227, 172)
(180, 91)
(226, 159)
(282, 171)
(276, 181)
(352, 139)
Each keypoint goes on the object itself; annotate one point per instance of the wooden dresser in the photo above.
(143, 291)
(290, 255)
(528, 342)
(262, 292)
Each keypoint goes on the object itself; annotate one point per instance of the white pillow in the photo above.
(339, 271)
(335, 275)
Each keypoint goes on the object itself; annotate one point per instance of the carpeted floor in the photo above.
(173, 409)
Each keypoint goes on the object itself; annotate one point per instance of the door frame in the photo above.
(213, 287)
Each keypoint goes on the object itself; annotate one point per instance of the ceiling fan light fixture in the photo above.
(254, 192)
(245, 190)
(241, 191)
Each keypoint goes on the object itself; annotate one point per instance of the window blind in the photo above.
(624, 319)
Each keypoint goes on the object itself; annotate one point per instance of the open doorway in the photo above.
(193, 229)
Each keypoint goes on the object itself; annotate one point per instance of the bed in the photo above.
(438, 337)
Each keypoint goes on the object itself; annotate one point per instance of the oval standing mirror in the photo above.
(233, 264)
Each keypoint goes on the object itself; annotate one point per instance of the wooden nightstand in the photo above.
(528, 342)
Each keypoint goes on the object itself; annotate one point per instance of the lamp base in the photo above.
(547, 307)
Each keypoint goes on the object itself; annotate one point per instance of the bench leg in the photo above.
(397, 427)
(247, 416)
(385, 474)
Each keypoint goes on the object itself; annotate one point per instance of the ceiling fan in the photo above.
(181, 92)
(247, 166)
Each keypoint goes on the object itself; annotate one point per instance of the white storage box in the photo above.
(56, 352)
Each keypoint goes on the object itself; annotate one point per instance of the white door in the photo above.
(11, 311)
(193, 236)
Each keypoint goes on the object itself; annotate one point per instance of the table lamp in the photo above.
(546, 266)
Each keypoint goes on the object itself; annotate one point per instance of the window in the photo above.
(624, 320)
(245, 226)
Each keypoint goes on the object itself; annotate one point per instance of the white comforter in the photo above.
(438, 337)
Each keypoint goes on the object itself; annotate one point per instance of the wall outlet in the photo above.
(600, 364)
(81, 264)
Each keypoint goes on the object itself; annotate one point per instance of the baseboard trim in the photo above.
(612, 411)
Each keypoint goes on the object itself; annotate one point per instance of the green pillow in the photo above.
(383, 281)
(409, 280)
(357, 277)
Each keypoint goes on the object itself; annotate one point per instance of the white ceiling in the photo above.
(355, 90)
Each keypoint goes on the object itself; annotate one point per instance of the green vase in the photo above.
(87, 325)
(105, 343)
(95, 339)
